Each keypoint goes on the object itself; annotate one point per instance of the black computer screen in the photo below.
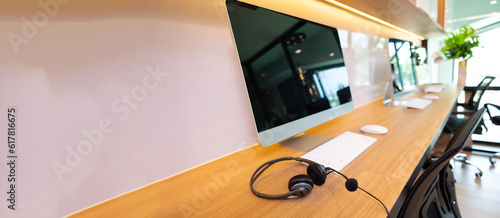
(293, 68)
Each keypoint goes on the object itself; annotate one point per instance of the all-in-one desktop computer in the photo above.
(293, 68)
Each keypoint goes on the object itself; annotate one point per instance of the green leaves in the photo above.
(459, 45)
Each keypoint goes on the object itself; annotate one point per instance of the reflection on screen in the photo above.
(407, 64)
(402, 65)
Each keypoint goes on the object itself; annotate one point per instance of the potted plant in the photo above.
(459, 46)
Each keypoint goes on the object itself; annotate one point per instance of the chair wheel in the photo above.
(492, 161)
(479, 175)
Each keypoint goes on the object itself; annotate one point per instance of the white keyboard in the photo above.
(417, 103)
(434, 89)
(341, 150)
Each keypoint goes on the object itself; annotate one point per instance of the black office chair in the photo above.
(490, 108)
(472, 104)
(467, 109)
(433, 193)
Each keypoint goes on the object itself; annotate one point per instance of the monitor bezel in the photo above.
(285, 131)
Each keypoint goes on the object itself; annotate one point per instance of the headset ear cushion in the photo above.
(317, 173)
(301, 181)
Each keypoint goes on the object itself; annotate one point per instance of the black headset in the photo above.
(301, 185)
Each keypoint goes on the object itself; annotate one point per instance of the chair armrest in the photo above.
(493, 105)
(494, 119)
(432, 157)
(428, 162)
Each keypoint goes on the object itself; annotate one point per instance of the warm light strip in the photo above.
(360, 13)
(472, 17)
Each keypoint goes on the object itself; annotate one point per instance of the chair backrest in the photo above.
(479, 91)
(421, 189)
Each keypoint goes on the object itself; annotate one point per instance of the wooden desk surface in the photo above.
(221, 188)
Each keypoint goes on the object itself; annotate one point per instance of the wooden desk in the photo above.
(221, 188)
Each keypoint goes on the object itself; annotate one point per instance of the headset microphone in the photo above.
(351, 185)
(302, 185)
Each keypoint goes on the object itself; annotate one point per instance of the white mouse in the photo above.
(374, 129)
(431, 97)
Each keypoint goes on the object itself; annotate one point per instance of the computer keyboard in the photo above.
(341, 150)
(434, 89)
(417, 103)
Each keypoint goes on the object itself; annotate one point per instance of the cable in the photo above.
(349, 183)
(377, 200)
(332, 170)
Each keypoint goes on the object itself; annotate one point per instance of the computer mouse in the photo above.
(374, 129)
(431, 97)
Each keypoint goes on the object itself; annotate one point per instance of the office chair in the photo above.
(433, 193)
(470, 107)
(495, 120)
(472, 104)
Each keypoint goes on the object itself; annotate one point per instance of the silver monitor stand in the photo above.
(389, 97)
(305, 142)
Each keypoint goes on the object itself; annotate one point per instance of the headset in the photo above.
(301, 185)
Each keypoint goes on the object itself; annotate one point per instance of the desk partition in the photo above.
(221, 188)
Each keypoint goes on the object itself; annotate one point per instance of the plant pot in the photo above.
(462, 72)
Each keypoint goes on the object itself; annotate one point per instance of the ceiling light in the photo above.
(494, 2)
(298, 51)
(296, 39)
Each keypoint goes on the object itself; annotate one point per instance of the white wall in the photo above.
(111, 96)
